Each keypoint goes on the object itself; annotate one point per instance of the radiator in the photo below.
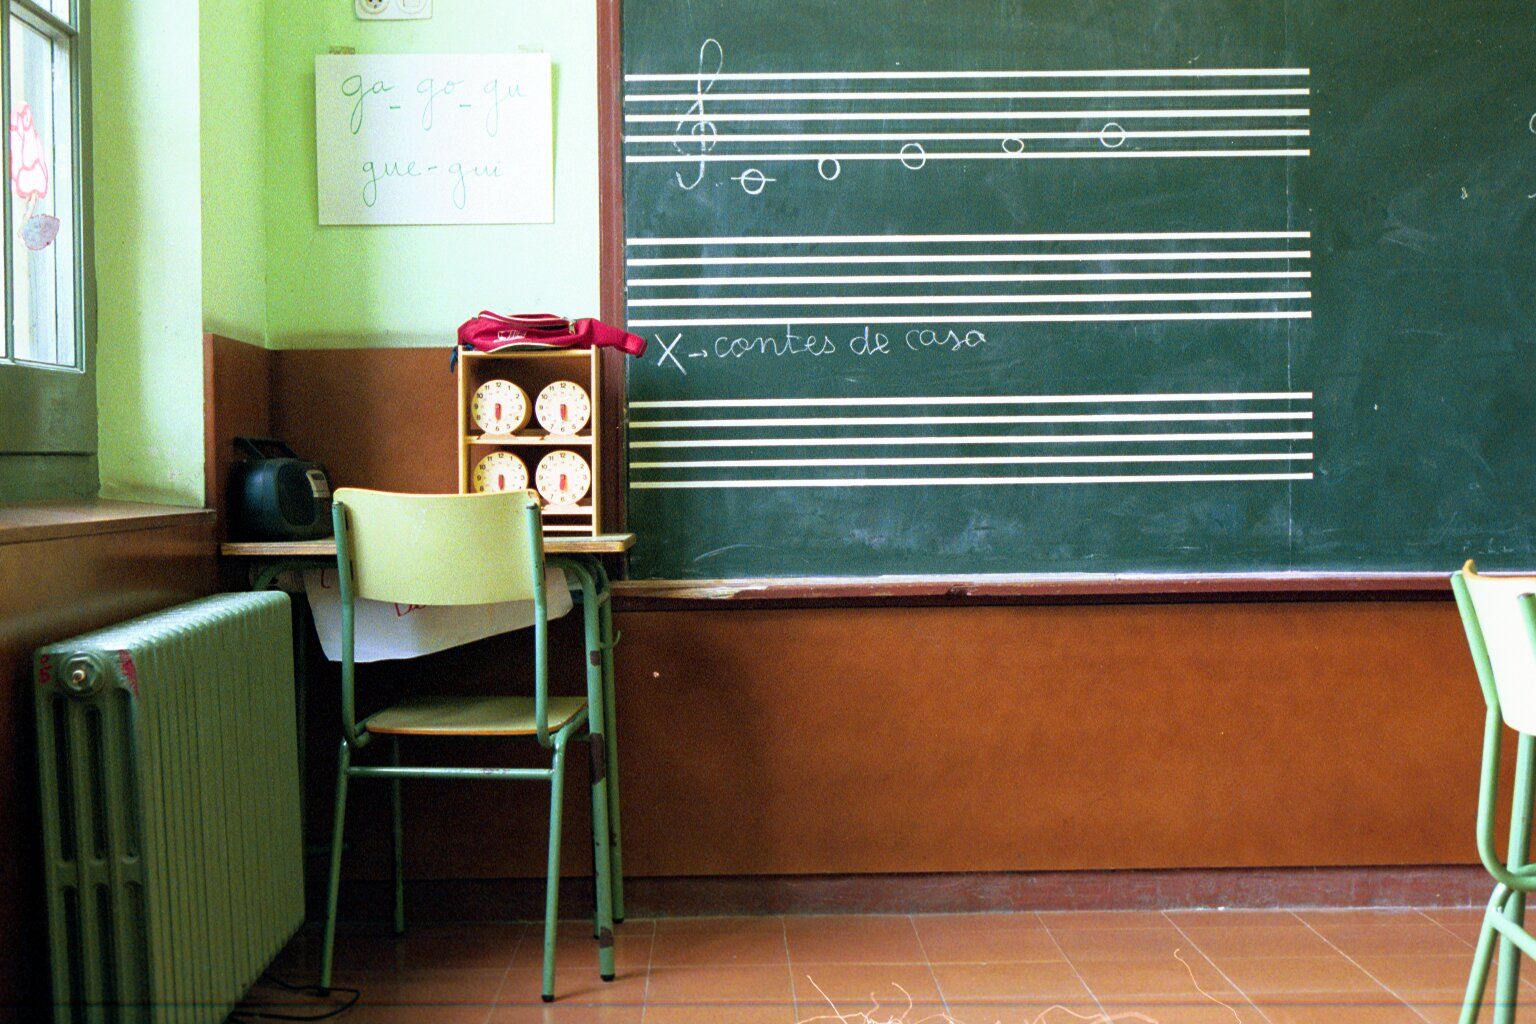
(170, 799)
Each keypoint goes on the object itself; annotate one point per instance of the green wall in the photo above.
(148, 250)
(233, 155)
(206, 210)
(381, 286)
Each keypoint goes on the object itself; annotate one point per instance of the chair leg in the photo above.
(597, 925)
(399, 838)
(1507, 989)
(1506, 992)
(552, 884)
(333, 882)
(597, 702)
(611, 736)
(1482, 957)
(602, 884)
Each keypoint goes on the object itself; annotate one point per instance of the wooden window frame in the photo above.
(48, 410)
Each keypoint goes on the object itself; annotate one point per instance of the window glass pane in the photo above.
(42, 300)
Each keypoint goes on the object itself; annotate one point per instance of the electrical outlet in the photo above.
(392, 10)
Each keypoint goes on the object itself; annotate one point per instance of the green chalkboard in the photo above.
(1079, 286)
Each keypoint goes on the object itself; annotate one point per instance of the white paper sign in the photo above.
(434, 139)
(383, 631)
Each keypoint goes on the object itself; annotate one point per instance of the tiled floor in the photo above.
(1180, 967)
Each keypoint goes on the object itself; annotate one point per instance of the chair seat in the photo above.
(472, 716)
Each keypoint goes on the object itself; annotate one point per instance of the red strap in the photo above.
(490, 331)
(531, 322)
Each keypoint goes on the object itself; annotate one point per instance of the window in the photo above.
(48, 437)
(43, 295)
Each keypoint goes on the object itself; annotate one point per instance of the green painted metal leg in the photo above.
(603, 884)
(552, 885)
(598, 747)
(587, 574)
(611, 736)
(1507, 990)
(1482, 957)
(399, 839)
(333, 884)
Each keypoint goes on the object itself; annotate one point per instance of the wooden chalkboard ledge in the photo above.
(637, 595)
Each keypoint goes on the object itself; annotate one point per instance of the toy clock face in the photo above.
(563, 408)
(500, 407)
(563, 478)
(500, 471)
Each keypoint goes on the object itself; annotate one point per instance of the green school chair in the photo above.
(458, 549)
(1499, 614)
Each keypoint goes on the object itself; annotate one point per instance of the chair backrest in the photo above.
(441, 549)
(1499, 613)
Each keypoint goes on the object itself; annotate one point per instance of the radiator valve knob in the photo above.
(82, 677)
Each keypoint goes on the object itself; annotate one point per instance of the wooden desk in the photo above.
(601, 544)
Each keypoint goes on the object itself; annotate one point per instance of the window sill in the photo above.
(58, 520)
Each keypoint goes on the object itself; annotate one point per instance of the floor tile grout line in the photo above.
(1068, 960)
(650, 960)
(1217, 967)
(928, 962)
(789, 963)
(1444, 927)
(522, 935)
(1361, 967)
(1248, 955)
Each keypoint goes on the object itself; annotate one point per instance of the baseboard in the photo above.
(520, 899)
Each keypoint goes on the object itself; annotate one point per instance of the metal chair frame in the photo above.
(589, 721)
(1514, 877)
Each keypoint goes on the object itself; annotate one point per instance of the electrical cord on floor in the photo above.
(352, 994)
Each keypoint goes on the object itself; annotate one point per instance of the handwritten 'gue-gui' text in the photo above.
(805, 343)
(454, 176)
(434, 139)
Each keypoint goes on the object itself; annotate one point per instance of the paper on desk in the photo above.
(384, 631)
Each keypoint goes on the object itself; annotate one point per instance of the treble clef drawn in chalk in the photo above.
(1531, 124)
(711, 63)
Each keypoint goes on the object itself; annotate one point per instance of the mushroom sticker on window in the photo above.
(29, 180)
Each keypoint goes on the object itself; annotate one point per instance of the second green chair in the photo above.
(1499, 614)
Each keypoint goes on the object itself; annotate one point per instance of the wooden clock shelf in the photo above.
(561, 353)
(532, 371)
(529, 437)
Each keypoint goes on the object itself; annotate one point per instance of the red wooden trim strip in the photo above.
(610, 159)
(492, 899)
(640, 594)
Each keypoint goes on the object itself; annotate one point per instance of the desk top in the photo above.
(601, 544)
